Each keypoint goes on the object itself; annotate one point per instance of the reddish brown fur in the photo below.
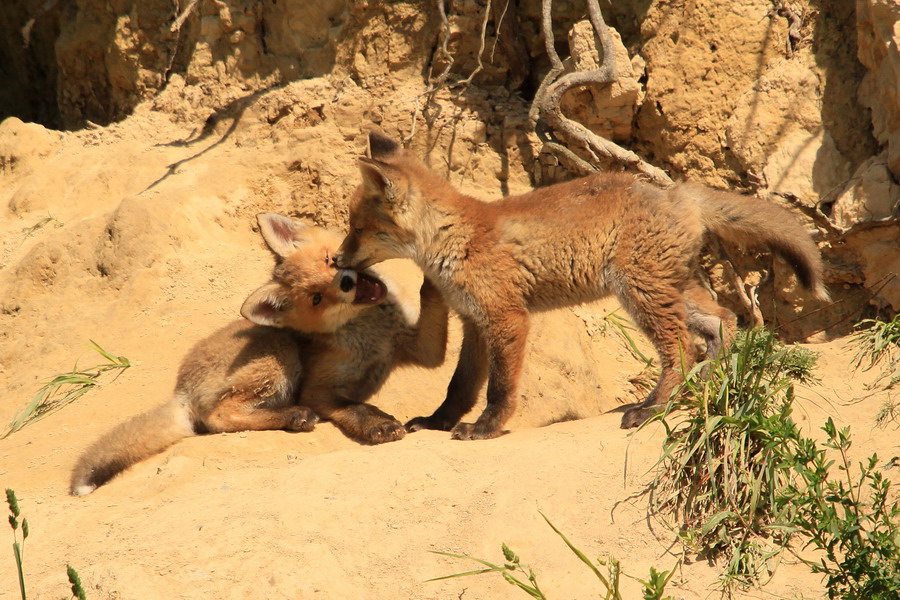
(246, 376)
(556, 246)
(347, 354)
(242, 377)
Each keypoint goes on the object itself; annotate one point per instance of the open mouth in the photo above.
(369, 290)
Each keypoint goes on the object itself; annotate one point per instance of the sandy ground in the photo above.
(147, 271)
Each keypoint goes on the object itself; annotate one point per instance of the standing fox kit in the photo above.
(557, 246)
(323, 337)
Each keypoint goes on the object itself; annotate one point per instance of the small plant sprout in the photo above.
(512, 571)
(30, 231)
(75, 580)
(524, 578)
(18, 546)
(889, 411)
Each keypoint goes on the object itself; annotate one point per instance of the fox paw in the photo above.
(635, 417)
(301, 418)
(428, 423)
(473, 431)
(384, 431)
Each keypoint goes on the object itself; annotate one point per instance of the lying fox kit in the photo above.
(557, 246)
(318, 341)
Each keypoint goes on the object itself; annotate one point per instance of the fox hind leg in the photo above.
(660, 313)
(259, 395)
(241, 411)
(706, 318)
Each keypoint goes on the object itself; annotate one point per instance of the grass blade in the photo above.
(577, 552)
(64, 389)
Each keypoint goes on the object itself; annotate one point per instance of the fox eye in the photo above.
(317, 298)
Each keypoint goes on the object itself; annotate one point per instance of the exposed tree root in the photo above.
(794, 36)
(179, 21)
(435, 82)
(549, 96)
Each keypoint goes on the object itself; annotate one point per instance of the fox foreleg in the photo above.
(427, 342)
(506, 335)
(361, 422)
(467, 381)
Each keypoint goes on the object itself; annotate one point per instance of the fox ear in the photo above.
(267, 305)
(381, 147)
(377, 179)
(282, 234)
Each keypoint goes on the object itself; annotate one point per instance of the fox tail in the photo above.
(131, 442)
(753, 222)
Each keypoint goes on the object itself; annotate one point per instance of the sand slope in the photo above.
(146, 259)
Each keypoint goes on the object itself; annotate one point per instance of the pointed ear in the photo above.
(282, 234)
(377, 179)
(381, 147)
(267, 305)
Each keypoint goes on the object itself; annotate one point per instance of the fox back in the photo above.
(562, 244)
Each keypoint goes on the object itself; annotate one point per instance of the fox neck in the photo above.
(443, 239)
(345, 319)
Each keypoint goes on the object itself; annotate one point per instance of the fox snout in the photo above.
(340, 261)
(361, 288)
(348, 254)
(352, 261)
(347, 279)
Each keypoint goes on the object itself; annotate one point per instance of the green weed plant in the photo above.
(847, 516)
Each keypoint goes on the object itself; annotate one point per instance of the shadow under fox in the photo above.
(565, 244)
(317, 342)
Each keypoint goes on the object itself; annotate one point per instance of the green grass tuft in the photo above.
(740, 482)
(878, 344)
(720, 473)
